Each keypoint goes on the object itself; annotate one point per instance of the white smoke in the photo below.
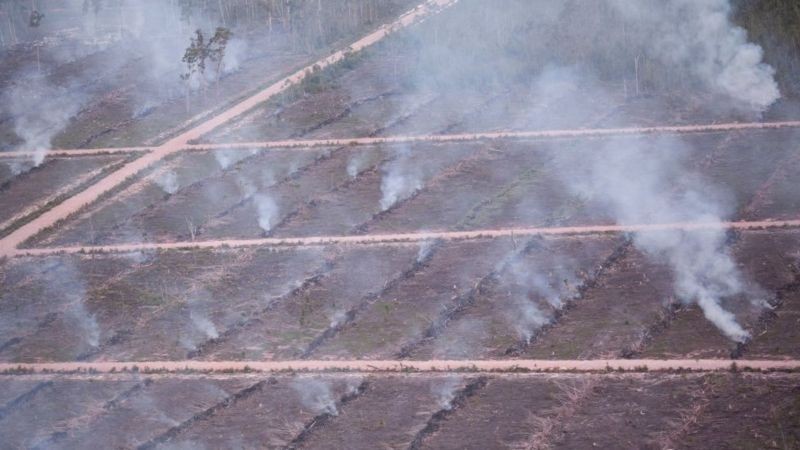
(235, 53)
(246, 186)
(17, 167)
(356, 164)
(400, 179)
(530, 288)
(66, 282)
(200, 326)
(525, 316)
(40, 112)
(316, 395)
(267, 211)
(425, 249)
(699, 34)
(445, 392)
(227, 157)
(168, 181)
(651, 184)
(338, 318)
(204, 324)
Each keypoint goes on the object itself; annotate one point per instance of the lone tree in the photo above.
(195, 60)
(216, 50)
(35, 19)
(199, 51)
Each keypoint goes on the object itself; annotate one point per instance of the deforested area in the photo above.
(399, 224)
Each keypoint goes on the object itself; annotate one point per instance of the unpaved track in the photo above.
(9, 244)
(396, 366)
(411, 238)
(443, 138)
(517, 135)
(77, 152)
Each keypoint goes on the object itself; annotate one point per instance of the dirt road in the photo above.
(395, 366)
(9, 244)
(409, 238)
(518, 135)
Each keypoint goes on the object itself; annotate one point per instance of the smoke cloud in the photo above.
(400, 179)
(445, 392)
(40, 111)
(168, 181)
(316, 395)
(699, 35)
(267, 210)
(639, 181)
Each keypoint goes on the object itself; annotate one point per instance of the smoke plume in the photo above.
(400, 179)
(699, 35)
(316, 395)
(168, 181)
(267, 210)
(40, 111)
(652, 184)
(445, 392)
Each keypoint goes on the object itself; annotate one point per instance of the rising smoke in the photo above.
(639, 182)
(40, 111)
(535, 294)
(147, 38)
(167, 180)
(267, 210)
(445, 391)
(699, 35)
(316, 395)
(401, 178)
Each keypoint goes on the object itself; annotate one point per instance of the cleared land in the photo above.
(258, 281)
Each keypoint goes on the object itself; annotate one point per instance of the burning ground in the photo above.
(113, 275)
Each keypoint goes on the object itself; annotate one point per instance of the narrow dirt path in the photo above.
(10, 243)
(397, 366)
(410, 238)
(519, 135)
(302, 144)
(76, 152)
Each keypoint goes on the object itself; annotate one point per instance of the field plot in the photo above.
(125, 88)
(241, 194)
(770, 261)
(300, 239)
(414, 411)
(24, 193)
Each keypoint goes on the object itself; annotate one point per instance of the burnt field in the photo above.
(413, 411)
(589, 297)
(407, 188)
(318, 248)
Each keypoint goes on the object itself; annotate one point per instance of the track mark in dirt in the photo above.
(760, 198)
(588, 284)
(308, 283)
(352, 314)
(323, 419)
(228, 402)
(451, 312)
(550, 427)
(689, 417)
(83, 421)
(23, 398)
(770, 314)
(440, 416)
